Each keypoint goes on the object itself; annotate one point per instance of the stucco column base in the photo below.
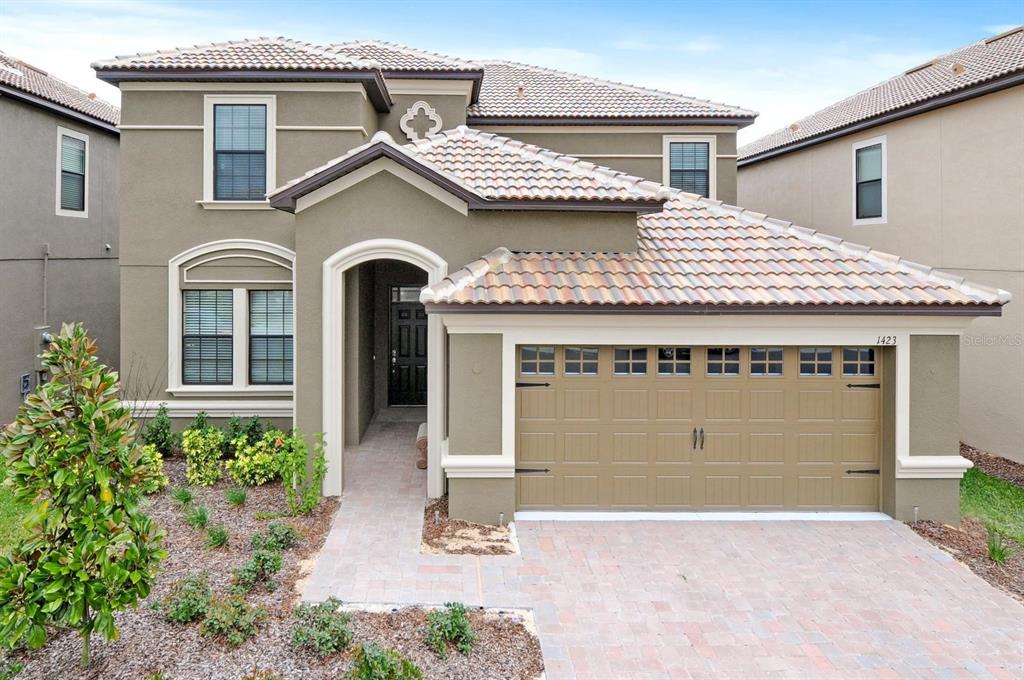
(936, 499)
(482, 500)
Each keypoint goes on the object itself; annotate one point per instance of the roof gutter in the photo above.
(738, 121)
(720, 309)
(68, 112)
(373, 81)
(912, 110)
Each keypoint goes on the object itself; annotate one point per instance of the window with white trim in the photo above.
(271, 351)
(688, 163)
(208, 337)
(869, 181)
(239, 138)
(72, 173)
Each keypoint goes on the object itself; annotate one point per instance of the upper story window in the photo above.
(869, 168)
(72, 173)
(239, 134)
(689, 164)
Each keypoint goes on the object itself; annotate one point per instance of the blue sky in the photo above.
(783, 59)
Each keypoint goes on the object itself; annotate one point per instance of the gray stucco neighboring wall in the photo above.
(474, 394)
(82, 271)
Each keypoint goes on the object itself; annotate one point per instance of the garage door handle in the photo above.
(702, 439)
(532, 384)
(875, 471)
(521, 471)
(695, 438)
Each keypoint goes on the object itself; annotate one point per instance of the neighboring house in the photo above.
(58, 221)
(928, 164)
(583, 339)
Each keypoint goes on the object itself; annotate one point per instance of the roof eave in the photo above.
(475, 75)
(738, 121)
(42, 102)
(961, 310)
(977, 90)
(372, 80)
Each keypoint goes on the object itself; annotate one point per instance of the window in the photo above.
(534, 360)
(765, 361)
(630, 361)
(239, 152)
(72, 170)
(858, 361)
(689, 164)
(270, 337)
(405, 293)
(673, 361)
(208, 339)
(581, 361)
(723, 360)
(869, 181)
(815, 361)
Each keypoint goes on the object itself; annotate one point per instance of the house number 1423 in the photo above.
(886, 340)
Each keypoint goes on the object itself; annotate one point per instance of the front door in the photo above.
(408, 356)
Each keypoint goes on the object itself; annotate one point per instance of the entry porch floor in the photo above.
(680, 599)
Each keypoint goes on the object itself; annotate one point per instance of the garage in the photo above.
(698, 428)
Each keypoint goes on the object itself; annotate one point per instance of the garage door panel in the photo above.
(629, 491)
(815, 492)
(722, 490)
(536, 403)
(723, 404)
(767, 405)
(723, 447)
(766, 491)
(580, 490)
(767, 447)
(672, 491)
(536, 490)
(581, 404)
(674, 447)
(582, 447)
(630, 404)
(816, 405)
(860, 404)
(629, 447)
(859, 492)
(815, 447)
(859, 448)
(537, 447)
(674, 405)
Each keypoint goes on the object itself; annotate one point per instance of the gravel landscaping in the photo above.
(443, 535)
(149, 644)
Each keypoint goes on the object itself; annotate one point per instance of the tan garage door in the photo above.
(715, 428)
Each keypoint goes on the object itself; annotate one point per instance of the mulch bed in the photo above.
(458, 537)
(996, 466)
(150, 645)
(969, 545)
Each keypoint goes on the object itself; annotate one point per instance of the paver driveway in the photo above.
(682, 599)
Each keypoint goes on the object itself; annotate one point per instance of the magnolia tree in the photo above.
(73, 455)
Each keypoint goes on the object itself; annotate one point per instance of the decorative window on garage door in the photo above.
(581, 361)
(815, 361)
(537, 360)
(858, 361)
(673, 361)
(630, 361)
(723, 360)
(766, 361)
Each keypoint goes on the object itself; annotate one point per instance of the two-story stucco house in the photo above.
(325, 233)
(929, 164)
(58, 221)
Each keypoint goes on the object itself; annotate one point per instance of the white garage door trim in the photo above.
(827, 516)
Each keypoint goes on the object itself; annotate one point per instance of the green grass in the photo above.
(11, 513)
(994, 502)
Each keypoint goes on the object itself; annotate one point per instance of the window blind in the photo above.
(689, 167)
(240, 152)
(72, 173)
(270, 337)
(208, 337)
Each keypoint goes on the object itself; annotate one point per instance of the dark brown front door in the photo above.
(408, 383)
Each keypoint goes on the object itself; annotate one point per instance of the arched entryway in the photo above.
(338, 323)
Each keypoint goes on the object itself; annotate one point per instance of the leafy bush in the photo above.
(998, 551)
(198, 517)
(202, 455)
(154, 479)
(72, 455)
(158, 432)
(450, 626)
(303, 494)
(322, 627)
(236, 496)
(187, 600)
(182, 494)
(259, 569)
(277, 537)
(251, 431)
(200, 422)
(256, 463)
(231, 620)
(217, 537)
(10, 669)
(373, 662)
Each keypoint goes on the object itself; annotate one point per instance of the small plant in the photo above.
(217, 537)
(158, 432)
(187, 600)
(373, 662)
(450, 626)
(260, 675)
(231, 620)
(322, 627)
(200, 422)
(183, 495)
(10, 669)
(154, 478)
(198, 517)
(236, 496)
(263, 515)
(303, 494)
(202, 455)
(277, 537)
(259, 569)
(256, 463)
(998, 551)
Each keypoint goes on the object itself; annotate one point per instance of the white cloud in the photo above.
(996, 29)
(698, 45)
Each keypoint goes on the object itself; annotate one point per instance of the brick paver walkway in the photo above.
(682, 599)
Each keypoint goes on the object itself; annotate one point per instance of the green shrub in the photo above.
(263, 515)
(251, 431)
(217, 537)
(198, 517)
(231, 620)
(322, 627)
(303, 494)
(200, 422)
(158, 432)
(10, 669)
(236, 496)
(998, 551)
(202, 455)
(259, 569)
(450, 626)
(187, 600)
(256, 463)
(153, 478)
(373, 662)
(277, 537)
(182, 494)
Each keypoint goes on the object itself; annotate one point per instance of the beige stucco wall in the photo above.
(451, 109)
(934, 386)
(474, 394)
(955, 200)
(482, 500)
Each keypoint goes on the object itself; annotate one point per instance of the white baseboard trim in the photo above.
(216, 408)
(932, 467)
(839, 516)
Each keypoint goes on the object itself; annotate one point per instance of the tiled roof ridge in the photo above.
(614, 83)
(465, 276)
(408, 49)
(575, 165)
(114, 110)
(312, 48)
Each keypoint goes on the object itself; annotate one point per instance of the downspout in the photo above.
(46, 268)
